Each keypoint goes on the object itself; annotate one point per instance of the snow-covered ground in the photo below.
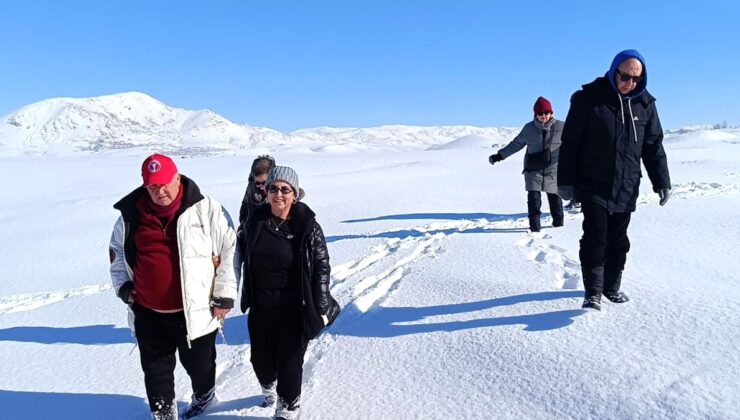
(452, 309)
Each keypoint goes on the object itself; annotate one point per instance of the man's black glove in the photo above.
(495, 158)
(566, 192)
(664, 194)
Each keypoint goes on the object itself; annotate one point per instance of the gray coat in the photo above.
(532, 137)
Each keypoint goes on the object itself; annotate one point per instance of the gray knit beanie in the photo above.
(285, 174)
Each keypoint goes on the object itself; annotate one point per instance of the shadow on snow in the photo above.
(235, 330)
(393, 322)
(490, 217)
(53, 405)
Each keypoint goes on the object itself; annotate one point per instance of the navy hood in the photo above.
(618, 59)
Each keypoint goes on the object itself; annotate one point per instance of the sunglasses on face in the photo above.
(272, 189)
(541, 114)
(624, 77)
(260, 184)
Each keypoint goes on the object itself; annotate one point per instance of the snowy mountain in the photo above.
(136, 121)
(123, 121)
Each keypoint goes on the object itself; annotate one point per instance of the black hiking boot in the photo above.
(592, 302)
(199, 404)
(269, 391)
(616, 297)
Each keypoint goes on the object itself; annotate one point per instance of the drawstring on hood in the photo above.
(639, 89)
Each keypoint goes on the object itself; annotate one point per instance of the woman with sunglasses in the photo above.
(286, 285)
(542, 140)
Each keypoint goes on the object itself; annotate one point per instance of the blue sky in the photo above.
(299, 64)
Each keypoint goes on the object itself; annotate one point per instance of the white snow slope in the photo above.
(452, 310)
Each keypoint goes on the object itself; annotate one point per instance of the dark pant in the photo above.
(159, 336)
(604, 248)
(534, 203)
(277, 349)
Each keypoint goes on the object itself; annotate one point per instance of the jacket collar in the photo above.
(302, 217)
(190, 195)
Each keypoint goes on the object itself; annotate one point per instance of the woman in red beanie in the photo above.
(541, 136)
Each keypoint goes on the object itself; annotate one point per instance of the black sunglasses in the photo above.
(272, 189)
(626, 77)
(539, 114)
(260, 183)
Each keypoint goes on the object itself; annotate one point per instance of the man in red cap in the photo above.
(172, 261)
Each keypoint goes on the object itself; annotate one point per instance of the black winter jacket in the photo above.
(604, 137)
(314, 265)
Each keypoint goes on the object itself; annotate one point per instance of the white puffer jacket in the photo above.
(204, 230)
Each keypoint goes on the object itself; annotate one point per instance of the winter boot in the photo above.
(534, 223)
(557, 221)
(616, 297)
(270, 393)
(592, 302)
(612, 283)
(199, 404)
(287, 411)
(164, 410)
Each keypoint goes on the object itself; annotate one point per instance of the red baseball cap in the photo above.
(158, 169)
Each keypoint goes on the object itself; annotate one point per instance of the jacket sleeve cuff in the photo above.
(125, 291)
(223, 303)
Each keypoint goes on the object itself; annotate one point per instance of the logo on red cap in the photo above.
(154, 166)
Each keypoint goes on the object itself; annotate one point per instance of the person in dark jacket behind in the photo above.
(286, 284)
(542, 139)
(612, 124)
(256, 195)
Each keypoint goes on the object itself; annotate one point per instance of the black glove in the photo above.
(222, 303)
(566, 192)
(664, 194)
(124, 292)
(495, 158)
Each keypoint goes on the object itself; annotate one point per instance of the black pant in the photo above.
(159, 336)
(534, 203)
(604, 248)
(278, 348)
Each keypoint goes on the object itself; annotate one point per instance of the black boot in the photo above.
(286, 410)
(556, 209)
(199, 404)
(612, 283)
(534, 202)
(592, 302)
(269, 391)
(164, 410)
(593, 282)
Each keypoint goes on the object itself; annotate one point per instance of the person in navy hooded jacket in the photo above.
(612, 124)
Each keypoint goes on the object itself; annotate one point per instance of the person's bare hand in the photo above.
(220, 313)
(216, 261)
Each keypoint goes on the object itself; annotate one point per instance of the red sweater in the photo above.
(157, 269)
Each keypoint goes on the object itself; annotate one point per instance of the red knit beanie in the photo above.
(542, 105)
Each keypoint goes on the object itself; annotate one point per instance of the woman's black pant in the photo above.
(159, 336)
(534, 203)
(276, 337)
